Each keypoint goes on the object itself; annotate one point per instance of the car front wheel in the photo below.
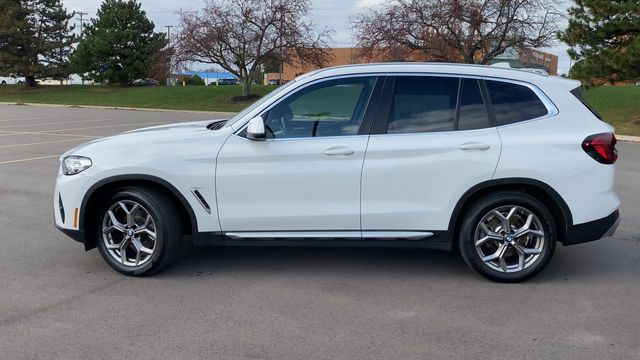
(507, 236)
(139, 231)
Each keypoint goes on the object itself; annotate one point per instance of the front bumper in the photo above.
(67, 200)
(593, 230)
(77, 235)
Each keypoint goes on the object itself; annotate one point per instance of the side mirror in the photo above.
(255, 129)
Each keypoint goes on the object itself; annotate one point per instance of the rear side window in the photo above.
(473, 113)
(513, 103)
(423, 104)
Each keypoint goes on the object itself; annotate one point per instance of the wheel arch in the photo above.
(540, 190)
(103, 187)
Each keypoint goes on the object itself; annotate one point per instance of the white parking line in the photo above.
(53, 123)
(103, 127)
(13, 132)
(41, 143)
(28, 159)
(33, 118)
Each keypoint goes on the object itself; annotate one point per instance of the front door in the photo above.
(306, 175)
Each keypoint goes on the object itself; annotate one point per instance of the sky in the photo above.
(332, 14)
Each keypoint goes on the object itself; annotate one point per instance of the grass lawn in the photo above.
(207, 98)
(619, 105)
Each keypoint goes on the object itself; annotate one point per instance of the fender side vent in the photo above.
(201, 200)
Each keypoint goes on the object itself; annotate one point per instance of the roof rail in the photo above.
(502, 65)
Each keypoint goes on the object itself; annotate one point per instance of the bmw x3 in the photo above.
(499, 164)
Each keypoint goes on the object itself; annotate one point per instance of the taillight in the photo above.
(601, 147)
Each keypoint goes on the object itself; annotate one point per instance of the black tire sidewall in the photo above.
(154, 206)
(480, 208)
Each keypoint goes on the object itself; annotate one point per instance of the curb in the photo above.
(117, 108)
(628, 138)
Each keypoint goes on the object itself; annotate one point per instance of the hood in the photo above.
(163, 138)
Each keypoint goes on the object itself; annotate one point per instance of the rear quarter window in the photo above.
(513, 103)
(577, 92)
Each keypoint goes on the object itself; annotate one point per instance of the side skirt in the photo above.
(412, 239)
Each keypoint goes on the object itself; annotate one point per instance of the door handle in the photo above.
(339, 150)
(475, 145)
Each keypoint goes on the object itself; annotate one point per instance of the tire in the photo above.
(145, 222)
(4, 82)
(522, 252)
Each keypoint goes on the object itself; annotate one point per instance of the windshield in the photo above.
(256, 104)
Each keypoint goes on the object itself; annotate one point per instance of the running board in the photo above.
(352, 235)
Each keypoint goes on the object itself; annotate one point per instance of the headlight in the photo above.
(73, 164)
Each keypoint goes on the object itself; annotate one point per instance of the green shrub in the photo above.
(194, 80)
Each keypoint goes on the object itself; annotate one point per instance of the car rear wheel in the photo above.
(139, 231)
(507, 236)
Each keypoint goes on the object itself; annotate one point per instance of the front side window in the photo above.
(423, 104)
(513, 103)
(330, 108)
(258, 103)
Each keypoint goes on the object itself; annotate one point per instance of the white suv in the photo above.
(501, 164)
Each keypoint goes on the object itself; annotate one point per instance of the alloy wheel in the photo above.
(129, 233)
(509, 238)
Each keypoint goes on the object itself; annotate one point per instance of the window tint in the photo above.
(423, 104)
(331, 108)
(513, 103)
(473, 113)
(577, 92)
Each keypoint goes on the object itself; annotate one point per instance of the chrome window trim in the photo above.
(309, 138)
(552, 109)
(436, 133)
(277, 101)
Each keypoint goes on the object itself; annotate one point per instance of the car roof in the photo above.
(428, 67)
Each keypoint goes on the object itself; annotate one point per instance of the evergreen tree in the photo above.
(35, 39)
(119, 45)
(604, 36)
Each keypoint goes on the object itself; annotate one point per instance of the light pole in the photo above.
(169, 48)
(82, 14)
(281, 70)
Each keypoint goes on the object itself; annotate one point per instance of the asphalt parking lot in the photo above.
(58, 302)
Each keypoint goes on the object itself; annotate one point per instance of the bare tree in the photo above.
(160, 67)
(470, 31)
(240, 35)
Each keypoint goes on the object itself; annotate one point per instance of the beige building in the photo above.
(346, 56)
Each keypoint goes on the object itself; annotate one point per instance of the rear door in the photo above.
(431, 141)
